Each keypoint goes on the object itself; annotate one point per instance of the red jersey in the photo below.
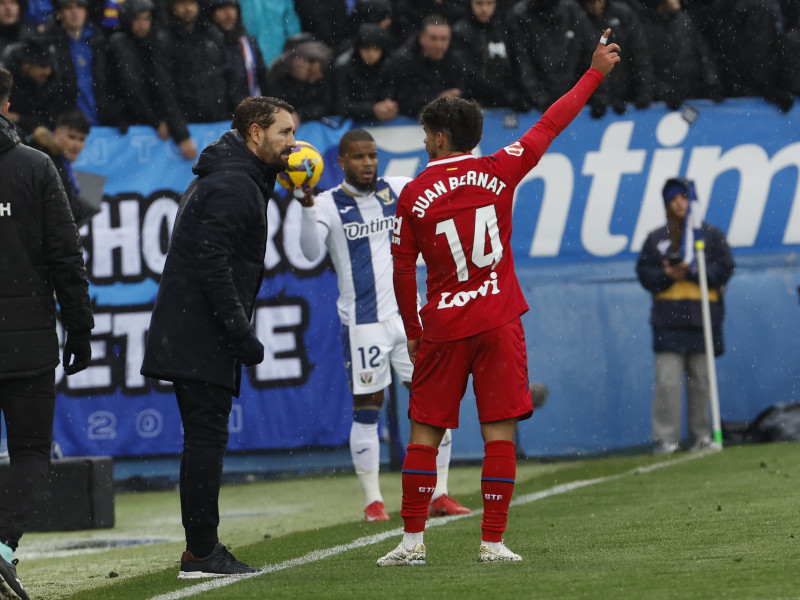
(457, 213)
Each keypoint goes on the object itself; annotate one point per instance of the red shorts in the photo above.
(498, 362)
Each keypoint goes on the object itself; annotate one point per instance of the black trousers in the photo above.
(28, 406)
(204, 409)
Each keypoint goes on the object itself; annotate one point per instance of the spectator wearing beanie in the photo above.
(362, 91)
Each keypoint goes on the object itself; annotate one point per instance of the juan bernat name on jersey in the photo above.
(443, 186)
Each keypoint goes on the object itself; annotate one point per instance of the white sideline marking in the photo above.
(316, 555)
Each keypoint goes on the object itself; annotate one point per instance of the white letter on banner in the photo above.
(105, 239)
(559, 178)
(276, 327)
(161, 214)
(272, 257)
(131, 328)
(606, 167)
(756, 172)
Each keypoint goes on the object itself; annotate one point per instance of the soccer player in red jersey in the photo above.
(457, 213)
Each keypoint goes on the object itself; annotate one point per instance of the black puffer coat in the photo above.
(552, 42)
(214, 268)
(140, 83)
(40, 253)
(682, 59)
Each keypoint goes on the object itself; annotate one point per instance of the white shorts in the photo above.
(371, 351)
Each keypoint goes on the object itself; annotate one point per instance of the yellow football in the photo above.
(305, 167)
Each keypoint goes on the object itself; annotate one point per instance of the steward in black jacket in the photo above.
(214, 268)
(40, 253)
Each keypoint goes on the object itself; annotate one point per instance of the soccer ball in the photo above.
(305, 167)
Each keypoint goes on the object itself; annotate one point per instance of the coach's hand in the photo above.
(249, 349)
(606, 55)
(413, 346)
(77, 351)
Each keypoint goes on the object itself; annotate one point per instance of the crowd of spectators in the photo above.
(166, 63)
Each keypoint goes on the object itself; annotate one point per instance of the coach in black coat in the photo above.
(200, 331)
(214, 268)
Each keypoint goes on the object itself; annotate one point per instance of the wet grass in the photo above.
(710, 526)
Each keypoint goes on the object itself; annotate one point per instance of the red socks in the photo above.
(419, 481)
(497, 485)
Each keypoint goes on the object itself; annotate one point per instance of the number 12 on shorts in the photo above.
(369, 356)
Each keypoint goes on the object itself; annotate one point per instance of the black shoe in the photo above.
(10, 585)
(217, 564)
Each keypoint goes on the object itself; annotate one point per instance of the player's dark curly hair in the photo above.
(257, 109)
(460, 120)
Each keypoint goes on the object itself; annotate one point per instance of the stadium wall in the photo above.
(580, 219)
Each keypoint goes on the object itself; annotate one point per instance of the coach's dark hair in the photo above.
(74, 119)
(257, 109)
(354, 135)
(460, 120)
(6, 83)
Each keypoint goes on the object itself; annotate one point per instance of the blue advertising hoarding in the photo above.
(580, 218)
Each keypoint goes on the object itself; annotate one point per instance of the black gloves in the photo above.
(248, 349)
(78, 347)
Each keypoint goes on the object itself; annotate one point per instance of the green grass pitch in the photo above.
(718, 525)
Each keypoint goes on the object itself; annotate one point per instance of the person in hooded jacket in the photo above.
(200, 332)
(247, 73)
(12, 26)
(303, 75)
(195, 55)
(362, 91)
(747, 39)
(41, 259)
(632, 81)
(482, 39)
(139, 77)
(36, 98)
(681, 55)
(550, 41)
